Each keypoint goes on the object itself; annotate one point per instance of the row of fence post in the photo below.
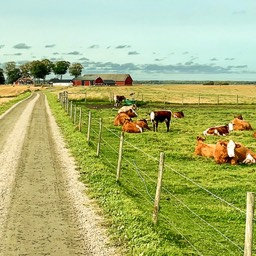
(250, 202)
(199, 102)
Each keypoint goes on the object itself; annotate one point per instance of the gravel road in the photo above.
(43, 207)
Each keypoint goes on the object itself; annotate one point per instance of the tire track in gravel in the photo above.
(42, 208)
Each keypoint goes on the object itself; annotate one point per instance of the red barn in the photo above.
(103, 79)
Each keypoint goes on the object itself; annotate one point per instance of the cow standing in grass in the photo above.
(160, 117)
(118, 100)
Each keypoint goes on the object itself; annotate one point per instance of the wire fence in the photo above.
(219, 225)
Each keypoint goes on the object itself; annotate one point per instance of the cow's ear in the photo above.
(238, 145)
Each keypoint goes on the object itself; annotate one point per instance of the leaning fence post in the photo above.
(158, 188)
(89, 126)
(249, 224)
(118, 173)
(99, 141)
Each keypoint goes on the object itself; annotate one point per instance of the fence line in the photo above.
(138, 171)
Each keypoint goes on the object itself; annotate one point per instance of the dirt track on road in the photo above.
(43, 210)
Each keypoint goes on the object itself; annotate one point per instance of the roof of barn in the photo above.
(114, 77)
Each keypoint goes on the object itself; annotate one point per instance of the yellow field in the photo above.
(174, 93)
(8, 92)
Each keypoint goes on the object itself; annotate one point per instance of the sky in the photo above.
(148, 39)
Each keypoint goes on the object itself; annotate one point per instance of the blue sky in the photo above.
(149, 39)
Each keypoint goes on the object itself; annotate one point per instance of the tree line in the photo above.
(38, 70)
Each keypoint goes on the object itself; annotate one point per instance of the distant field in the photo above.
(176, 93)
(9, 92)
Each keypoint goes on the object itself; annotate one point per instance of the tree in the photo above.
(75, 69)
(12, 72)
(39, 69)
(60, 68)
(2, 78)
(25, 69)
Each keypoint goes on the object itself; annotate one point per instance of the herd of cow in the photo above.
(126, 113)
(224, 151)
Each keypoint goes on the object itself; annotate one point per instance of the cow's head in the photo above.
(230, 127)
(231, 145)
(131, 113)
(199, 138)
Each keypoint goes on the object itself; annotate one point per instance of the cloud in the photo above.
(73, 53)
(49, 45)
(1, 46)
(122, 46)
(184, 53)
(94, 46)
(241, 12)
(133, 53)
(238, 66)
(157, 59)
(84, 59)
(55, 53)
(13, 54)
(229, 58)
(21, 46)
(213, 59)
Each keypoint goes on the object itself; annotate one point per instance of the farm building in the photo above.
(103, 79)
(24, 81)
(60, 82)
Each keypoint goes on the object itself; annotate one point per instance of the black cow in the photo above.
(159, 117)
(118, 100)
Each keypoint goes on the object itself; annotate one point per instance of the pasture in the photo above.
(202, 206)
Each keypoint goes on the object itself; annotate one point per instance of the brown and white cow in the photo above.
(121, 117)
(222, 154)
(126, 108)
(240, 125)
(233, 153)
(178, 114)
(160, 117)
(221, 130)
(118, 100)
(204, 149)
(135, 127)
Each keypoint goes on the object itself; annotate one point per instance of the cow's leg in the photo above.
(167, 125)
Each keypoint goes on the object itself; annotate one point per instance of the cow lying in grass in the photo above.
(136, 126)
(233, 153)
(178, 114)
(221, 130)
(121, 117)
(127, 108)
(240, 125)
(204, 149)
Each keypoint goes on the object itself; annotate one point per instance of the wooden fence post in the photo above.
(89, 126)
(182, 99)
(158, 188)
(67, 105)
(80, 120)
(99, 141)
(118, 172)
(75, 115)
(71, 109)
(250, 200)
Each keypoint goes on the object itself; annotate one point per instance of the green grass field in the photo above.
(202, 206)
